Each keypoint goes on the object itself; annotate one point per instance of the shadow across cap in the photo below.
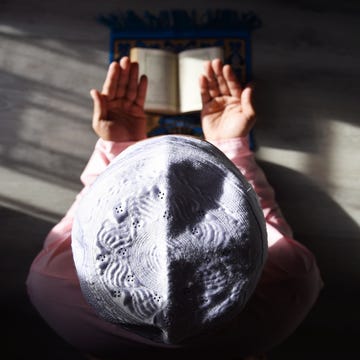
(170, 239)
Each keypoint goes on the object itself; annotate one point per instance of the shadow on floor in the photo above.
(26, 334)
(331, 327)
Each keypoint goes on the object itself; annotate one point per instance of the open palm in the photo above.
(227, 110)
(119, 109)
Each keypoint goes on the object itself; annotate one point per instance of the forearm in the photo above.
(238, 151)
(104, 152)
(286, 256)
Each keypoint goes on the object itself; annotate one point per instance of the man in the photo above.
(288, 280)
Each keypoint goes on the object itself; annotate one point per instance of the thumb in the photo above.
(99, 105)
(246, 101)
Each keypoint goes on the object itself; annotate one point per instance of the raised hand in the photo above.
(119, 109)
(227, 109)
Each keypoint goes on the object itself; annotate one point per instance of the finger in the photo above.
(123, 77)
(204, 89)
(132, 86)
(217, 66)
(99, 104)
(111, 81)
(232, 81)
(246, 102)
(141, 91)
(213, 86)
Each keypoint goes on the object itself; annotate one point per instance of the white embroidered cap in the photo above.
(170, 240)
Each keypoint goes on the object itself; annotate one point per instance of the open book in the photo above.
(173, 78)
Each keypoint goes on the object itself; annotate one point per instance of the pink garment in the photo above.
(288, 288)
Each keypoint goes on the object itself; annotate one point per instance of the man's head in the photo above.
(170, 240)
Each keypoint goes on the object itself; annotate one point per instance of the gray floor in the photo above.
(305, 65)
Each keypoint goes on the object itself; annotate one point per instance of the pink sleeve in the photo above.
(291, 281)
(289, 255)
(104, 153)
(238, 151)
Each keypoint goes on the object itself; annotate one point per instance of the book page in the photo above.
(160, 66)
(191, 66)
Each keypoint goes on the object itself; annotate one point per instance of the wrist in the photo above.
(112, 148)
(231, 146)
